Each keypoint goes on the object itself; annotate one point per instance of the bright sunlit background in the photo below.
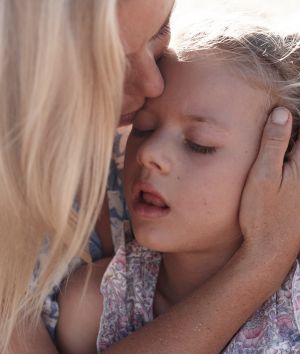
(279, 12)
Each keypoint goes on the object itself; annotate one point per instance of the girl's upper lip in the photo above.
(146, 187)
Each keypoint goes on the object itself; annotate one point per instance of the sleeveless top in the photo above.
(128, 289)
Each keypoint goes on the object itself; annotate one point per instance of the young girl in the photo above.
(187, 160)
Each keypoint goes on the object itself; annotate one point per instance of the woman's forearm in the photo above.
(206, 321)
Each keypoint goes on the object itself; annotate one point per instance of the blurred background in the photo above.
(283, 13)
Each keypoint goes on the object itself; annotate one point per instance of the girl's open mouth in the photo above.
(148, 203)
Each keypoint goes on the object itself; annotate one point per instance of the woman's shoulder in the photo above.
(81, 306)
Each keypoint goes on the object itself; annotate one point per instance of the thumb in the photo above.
(275, 140)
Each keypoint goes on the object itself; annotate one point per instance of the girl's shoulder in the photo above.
(275, 327)
(131, 265)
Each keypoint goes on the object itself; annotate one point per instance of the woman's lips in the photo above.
(147, 202)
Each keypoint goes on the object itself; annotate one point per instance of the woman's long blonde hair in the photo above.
(61, 79)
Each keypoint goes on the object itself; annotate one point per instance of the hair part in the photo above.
(61, 81)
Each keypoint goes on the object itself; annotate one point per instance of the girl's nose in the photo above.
(153, 155)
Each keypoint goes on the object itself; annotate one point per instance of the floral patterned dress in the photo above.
(128, 289)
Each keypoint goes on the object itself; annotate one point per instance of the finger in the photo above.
(275, 140)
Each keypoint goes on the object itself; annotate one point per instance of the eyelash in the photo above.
(200, 148)
(164, 31)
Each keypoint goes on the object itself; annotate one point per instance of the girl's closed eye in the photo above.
(143, 124)
(199, 148)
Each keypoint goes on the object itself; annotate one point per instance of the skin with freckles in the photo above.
(187, 159)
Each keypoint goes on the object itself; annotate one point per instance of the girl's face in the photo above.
(145, 34)
(188, 156)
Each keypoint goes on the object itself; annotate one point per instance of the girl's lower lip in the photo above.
(149, 211)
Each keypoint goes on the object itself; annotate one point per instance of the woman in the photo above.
(62, 70)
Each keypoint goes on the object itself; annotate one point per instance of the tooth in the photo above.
(152, 199)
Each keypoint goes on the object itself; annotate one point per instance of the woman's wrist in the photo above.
(266, 262)
(273, 248)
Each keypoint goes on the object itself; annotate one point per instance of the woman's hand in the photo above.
(270, 204)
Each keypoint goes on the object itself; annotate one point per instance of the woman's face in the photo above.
(145, 34)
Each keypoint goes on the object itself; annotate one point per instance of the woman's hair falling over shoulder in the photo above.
(266, 57)
(61, 80)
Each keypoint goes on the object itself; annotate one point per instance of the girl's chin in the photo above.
(148, 242)
(154, 243)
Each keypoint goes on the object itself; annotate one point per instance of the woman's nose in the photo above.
(145, 77)
(152, 82)
(153, 155)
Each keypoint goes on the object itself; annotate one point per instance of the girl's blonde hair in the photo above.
(263, 56)
(61, 80)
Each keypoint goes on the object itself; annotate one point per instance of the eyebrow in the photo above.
(165, 25)
(209, 120)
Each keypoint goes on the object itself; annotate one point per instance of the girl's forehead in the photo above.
(210, 88)
(204, 75)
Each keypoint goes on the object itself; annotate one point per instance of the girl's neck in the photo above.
(182, 273)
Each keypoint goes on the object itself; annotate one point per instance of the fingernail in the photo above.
(280, 116)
